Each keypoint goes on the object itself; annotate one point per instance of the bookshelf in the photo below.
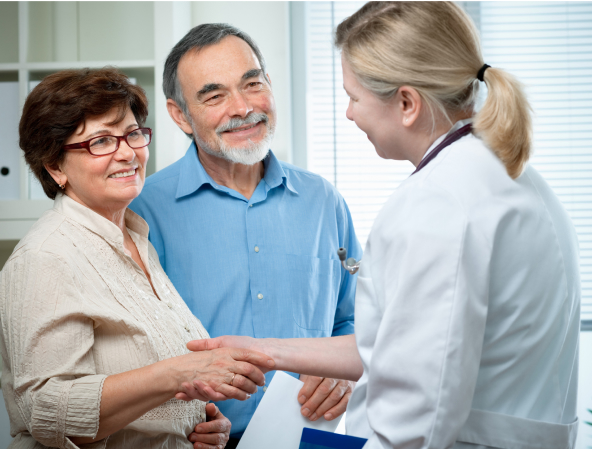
(39, 38)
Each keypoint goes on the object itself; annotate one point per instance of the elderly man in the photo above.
(248, 241)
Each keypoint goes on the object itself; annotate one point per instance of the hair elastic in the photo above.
(481, 72)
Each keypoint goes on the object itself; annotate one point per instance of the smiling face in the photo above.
(230, 103)
(379, 119)
(105, 184)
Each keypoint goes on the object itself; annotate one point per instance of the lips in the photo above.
(242, 129)
(123, 174)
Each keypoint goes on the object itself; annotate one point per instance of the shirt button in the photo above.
(260, 296)
(169, 305)
(155, 316)
(187, 328)
(256, 249)
(250, 205)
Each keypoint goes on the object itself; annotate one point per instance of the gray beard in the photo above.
(248, 155)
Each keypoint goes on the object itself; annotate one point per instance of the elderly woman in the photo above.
(93, 331)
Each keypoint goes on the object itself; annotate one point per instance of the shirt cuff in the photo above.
(65, 408)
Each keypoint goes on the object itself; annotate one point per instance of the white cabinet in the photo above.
(39, 38)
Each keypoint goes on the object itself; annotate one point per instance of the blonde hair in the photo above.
(434, 48)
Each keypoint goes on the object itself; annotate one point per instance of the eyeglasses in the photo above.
(104, 145)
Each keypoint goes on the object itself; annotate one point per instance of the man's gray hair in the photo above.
(197, 38)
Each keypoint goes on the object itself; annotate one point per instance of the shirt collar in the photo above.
(457, 125)
(96, 223)
(193, 175)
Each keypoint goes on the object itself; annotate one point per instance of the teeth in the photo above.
(123, 174)
(242, 129)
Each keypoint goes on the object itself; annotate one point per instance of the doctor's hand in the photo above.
(212, 434)
(321, 396)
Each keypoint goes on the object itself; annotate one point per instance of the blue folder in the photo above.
(319, 439)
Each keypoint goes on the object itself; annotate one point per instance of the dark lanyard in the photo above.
(449, 140)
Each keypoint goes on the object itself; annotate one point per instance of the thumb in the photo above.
(211, 409)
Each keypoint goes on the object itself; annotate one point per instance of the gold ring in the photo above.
(232, 380)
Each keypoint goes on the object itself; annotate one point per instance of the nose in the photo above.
(124, 152)
(348, 112)
(240, 106)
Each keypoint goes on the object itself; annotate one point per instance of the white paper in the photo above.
(277, 422)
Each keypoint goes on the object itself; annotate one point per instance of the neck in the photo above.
(115, 214)
(426, 140)
(244, 179)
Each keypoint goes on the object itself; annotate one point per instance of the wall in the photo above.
(269, 25)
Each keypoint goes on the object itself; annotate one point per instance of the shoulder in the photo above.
(159, 187)
(307, 182)
(46, 234)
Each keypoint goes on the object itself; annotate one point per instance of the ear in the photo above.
(409, 103)
(268, 78)
(178, 116)
(57, 174)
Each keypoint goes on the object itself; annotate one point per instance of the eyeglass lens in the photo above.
(108, 144)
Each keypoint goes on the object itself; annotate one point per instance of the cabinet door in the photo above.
(9, 149)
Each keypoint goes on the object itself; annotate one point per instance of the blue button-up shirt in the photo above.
(262, 267)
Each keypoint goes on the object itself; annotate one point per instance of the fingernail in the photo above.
(313, 417)
(248, 396)
(305, 411)
(328, 416)
(270, 363)
(302, 399)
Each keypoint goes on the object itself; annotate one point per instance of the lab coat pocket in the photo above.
(315, 287)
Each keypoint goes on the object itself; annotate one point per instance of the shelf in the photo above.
(64, 65)
(9, 50)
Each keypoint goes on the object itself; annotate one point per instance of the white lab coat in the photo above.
(467, 311)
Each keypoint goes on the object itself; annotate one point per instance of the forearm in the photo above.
(335, 357)
(129, 395)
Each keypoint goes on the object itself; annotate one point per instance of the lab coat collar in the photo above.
(455, 127)
(193, 175)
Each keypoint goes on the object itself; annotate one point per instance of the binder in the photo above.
(10, 153)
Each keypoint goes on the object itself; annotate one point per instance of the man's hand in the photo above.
(212, 434)
(324, 397)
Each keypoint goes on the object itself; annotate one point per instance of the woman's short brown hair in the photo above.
(61, 102)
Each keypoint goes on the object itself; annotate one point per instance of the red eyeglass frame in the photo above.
(86, 144)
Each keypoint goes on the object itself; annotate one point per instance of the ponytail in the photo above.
(434, 48)
(504, 121)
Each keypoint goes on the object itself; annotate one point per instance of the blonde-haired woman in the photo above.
(467, 305)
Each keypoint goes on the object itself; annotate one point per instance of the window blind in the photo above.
(547, 45)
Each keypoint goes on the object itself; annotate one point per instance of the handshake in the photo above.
(232, 367)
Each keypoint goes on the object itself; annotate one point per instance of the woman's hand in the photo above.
(220, 374)
(212, 434)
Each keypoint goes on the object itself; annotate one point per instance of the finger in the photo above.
(209, 439)
(310, 385)
(249, 371)
(253, 357)
(233, 392)
(334, 398)
(211, 410)
(183, 397)
(205, 344)
(244, 383)
(318, 397)
(208, 392)
(215, 426)
(339, 409)
(192, 392)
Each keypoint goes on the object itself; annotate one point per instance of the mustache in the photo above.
(252, 118)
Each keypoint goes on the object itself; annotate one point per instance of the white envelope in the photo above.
(277, 422)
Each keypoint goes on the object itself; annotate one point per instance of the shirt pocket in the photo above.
(314, 286)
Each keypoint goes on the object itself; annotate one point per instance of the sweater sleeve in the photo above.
(49, 339)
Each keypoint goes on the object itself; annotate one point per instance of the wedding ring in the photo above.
(232, 380)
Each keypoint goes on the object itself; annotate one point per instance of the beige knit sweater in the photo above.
(74, 309)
